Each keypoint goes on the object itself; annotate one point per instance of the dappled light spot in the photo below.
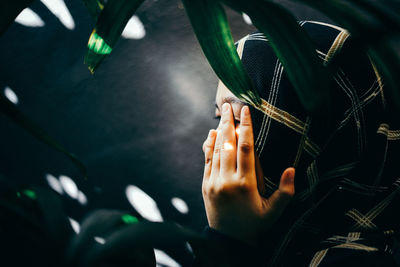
(237, 130)
(165, 260)
(143, 203)
(69, 186)
(82, 198)
(30, 193)
(247, 19)
(75, 225)
(129, 219)
(228, 146)
(99, 240)
(10, 94)
(134, 29)
(54, 183)
(98, 45)
(60, 10)
(188, 247)
(29, 18)
(180, 205)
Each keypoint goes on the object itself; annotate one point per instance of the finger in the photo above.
(281, 197)
(207, 141)
(245, 147)
(228, 149)
(208, 149)
(216, 154)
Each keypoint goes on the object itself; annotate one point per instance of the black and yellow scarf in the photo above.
(347, 180)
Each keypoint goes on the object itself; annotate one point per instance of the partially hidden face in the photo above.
(225, 96)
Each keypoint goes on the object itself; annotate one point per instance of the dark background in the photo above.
(139, 120)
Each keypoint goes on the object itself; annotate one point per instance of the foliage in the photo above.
(374, 25)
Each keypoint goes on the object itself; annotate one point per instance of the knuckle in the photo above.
(217, 148)
(207, 159)
(243, 186)
(204, 146)
(232, 188)
(211, 190)
(245, 123)
(224, 122)
(245, 147)
(224, 189)
(204, 190)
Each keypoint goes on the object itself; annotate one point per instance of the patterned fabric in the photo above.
(347, 183)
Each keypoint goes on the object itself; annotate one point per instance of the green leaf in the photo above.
(386, 11)
(294, 49)
(9, 109)
(98, 49)
(94, 6)
(386, 57)
(129, 219)
(212, 30)
(110, 24)
(134, 243)
(364, 19)
(370, 24)
(9, 10)
(29, 193)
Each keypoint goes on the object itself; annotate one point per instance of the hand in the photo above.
(232, 200)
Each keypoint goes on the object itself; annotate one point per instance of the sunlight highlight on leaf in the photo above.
(134, 29)
(82, 198)
(165, 260)
(29, 18)
(29, 193)
(180, 205)
(75, 225)
(69, 186)
(60, 10)
(11, 95)
(247, 19)
(99, 240)
(98, 45)
(129, 219)
(54, 183)
(143, 203)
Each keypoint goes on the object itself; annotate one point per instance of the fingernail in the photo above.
(225, 107)
(209, 134)
(246, 111)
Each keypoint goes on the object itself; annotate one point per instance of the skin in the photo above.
(232, 181)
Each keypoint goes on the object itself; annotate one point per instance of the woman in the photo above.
(347, 183)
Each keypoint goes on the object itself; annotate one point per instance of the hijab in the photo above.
(347, 183)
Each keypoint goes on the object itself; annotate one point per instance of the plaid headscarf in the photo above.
(347, 183)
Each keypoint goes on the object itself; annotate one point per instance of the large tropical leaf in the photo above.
(370, 24)
(387, 11)
(95, 7)
(386, 56)
(9, 10)
(293, 48)
(110, 24)
(10, 110)
(212, 30)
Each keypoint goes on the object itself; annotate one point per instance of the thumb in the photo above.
(281, 197)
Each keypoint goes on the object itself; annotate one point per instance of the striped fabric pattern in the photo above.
(347, 183)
